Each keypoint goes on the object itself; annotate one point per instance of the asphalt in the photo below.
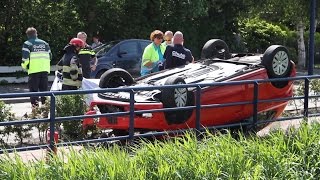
(15, 88)
(23, 88)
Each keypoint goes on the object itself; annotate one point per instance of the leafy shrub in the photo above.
(259, 34)
(5, 115)
(71, 105)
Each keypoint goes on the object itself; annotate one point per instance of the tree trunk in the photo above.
(301, 46)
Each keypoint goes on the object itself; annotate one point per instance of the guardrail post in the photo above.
(198, 109)
(131, 123)
(306, 98)
(255, 103)
(52, 145)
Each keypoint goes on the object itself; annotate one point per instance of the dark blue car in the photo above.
(125, 54)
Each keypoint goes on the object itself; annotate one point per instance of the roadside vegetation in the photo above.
(294, 154)
(245, 25)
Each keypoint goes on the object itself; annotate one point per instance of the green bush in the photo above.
(71, 105)
(259, 34)
(5, 115)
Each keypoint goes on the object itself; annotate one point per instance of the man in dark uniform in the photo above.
(87, 56)
(177, 55)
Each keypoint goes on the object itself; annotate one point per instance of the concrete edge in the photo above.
(15, 100)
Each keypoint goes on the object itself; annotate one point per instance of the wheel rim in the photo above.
(180, 96)
(280, 62)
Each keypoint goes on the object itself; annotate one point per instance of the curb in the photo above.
(15, 100)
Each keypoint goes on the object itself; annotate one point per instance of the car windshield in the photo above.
(101, 50)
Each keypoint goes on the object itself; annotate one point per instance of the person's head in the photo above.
(95, 39)
(77, 43)
(82, 36)
(178, 38)
(31, 32)
(168, 35)
(156, 36)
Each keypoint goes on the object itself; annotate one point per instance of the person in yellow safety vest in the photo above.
(87, 56)
(70, 66)
(152, 57)
(36, 57)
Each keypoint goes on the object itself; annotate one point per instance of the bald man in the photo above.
(177, 55)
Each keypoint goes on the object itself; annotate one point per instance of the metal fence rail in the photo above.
(52, 119)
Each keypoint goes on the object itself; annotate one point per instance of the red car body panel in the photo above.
(209, 116)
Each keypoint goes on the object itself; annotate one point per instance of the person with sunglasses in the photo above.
(152, 56)
(168, 35)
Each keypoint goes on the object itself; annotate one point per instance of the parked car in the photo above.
(216, 65)
(125, 54)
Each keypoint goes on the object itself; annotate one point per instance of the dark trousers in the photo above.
(38, 82)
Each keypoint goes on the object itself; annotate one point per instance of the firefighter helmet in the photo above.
(77, 42)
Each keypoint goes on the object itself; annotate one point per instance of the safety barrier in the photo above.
(52, 119)
(15, 74)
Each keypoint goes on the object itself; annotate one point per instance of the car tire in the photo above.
(215, 48)
(177, 97)
(276, 60)
(114, 78)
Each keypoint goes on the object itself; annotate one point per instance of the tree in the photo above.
(293, 14)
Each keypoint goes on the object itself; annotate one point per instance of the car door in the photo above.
(128, 57)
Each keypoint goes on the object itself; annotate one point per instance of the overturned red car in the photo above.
(217, 64)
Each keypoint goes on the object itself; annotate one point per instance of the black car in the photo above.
(125, 54)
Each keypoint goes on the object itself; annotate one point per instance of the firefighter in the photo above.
(70, 66)
(36, 57)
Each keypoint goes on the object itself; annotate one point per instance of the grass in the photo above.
(294, 154)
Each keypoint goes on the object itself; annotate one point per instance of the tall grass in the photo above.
(294, 154)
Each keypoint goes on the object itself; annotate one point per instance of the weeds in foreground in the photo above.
(294, 154)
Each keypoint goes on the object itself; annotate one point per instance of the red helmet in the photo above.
(77, 42)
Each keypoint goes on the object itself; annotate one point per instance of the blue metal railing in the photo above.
(255, 101)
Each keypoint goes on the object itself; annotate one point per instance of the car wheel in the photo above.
(215, 48)
(177, 97)
(276, 61)
(114, 78)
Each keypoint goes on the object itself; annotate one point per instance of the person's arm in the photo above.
(60, 64)
(94, 60)
(191, 58)
(146, 58)
(49, 51)
(168, 57)
(94, 65)
(25, 56)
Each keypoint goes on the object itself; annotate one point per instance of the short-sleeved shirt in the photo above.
(176, 55)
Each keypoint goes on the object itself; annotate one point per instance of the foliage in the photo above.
(258, 34)
(40, 113)
(71, 105)
(58, 21)
(5, 115)
(282, 155)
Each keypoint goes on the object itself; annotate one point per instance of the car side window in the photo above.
(128, 48)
